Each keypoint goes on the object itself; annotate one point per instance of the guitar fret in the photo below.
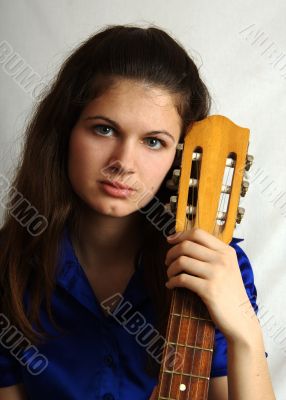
(188, 345)
(185, 374)
(165, 398)
(192, 317)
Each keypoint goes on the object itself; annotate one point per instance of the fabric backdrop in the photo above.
(240, 47)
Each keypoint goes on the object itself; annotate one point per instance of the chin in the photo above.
(116, 213)
(113, 210)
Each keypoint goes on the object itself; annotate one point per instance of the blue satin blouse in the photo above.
(98, 357)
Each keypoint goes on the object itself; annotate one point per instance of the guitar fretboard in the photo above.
(189, 348)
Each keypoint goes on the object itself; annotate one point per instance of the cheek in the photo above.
(153, 175)
(155, 172)
(81, 161)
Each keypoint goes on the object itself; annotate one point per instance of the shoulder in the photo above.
(246, 271)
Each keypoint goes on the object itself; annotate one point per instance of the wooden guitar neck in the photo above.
(209, 184)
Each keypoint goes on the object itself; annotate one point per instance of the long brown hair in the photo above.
(28, 260)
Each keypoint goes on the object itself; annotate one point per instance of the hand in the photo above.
(206, 265)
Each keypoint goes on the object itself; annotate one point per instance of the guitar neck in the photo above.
(209, 184)
(189, 347)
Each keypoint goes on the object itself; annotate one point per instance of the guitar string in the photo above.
(220, 207)
(181, 298)
(185, 294)
(205, 385)
(167, 341)
(213, 231)
(177, 339)
(184, 307)
(200, 304)
(197, 216)
(191, 303)
(176, 347)
(185, 297)
(223, 200)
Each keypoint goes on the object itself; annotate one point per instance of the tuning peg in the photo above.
(191, 210)
(176, 176)
(173, 203)
(172, 206)
(246, 175)
(249, 162)
(244, 188)
(174, 181)
(193, 182)
(197, 156)
(220, 217)
(230, 162)
(225, 189)
(178, 155)
(240, 213)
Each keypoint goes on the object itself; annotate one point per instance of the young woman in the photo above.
(76, 236)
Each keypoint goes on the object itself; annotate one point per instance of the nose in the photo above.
(122, 159)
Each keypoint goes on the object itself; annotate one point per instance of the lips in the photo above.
(116, 189)
(118, 185)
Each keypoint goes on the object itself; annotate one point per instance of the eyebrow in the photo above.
(117, 126)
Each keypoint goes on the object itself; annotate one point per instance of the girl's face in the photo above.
(126, 137)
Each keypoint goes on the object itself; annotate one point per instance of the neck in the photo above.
(101, 239)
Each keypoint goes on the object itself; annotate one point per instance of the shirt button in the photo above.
(108, 360)
(108, 396)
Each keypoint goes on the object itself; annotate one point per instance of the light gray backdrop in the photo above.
(240, 47)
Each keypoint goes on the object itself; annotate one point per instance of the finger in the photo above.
(190, 249)
(189, 266)
(199, 236)
(196, 285)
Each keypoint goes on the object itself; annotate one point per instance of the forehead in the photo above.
(127, 97)
(139, 90)
(135, 105)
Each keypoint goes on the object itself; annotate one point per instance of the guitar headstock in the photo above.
(210, 181)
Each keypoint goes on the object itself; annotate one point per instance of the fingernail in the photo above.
(174, 236)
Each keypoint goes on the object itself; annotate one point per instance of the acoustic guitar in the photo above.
(208, 188)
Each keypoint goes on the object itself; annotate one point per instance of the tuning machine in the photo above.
(249, 162)
(244, 187)
(245, 183)
(172, 206)
(174, 181)
(240, 214)
(178, 156)
(173, 203)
